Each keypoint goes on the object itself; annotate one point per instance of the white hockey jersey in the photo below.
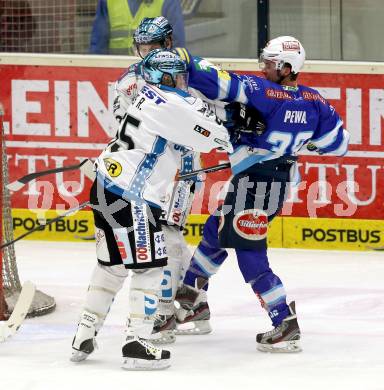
(141, 163)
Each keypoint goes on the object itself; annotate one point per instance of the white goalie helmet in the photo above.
(284, 49)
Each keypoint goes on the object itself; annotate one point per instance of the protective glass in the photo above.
(181, 81)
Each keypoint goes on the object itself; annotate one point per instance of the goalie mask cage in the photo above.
(10, 285)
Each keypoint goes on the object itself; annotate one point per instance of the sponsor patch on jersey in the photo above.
(141, 232)
(291, 46)
(313, 96)
(277, 94)
(251, 224)
(114, 168)
(202, 131)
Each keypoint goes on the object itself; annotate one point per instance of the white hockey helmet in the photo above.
(283, 50)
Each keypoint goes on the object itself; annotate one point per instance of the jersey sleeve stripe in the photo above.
(186, 55)
(241, 96)
(180, 53)
(329, 138)
(339, 148)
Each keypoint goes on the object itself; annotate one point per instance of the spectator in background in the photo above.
(116, 21)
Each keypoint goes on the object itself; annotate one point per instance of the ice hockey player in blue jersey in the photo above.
(262, 163)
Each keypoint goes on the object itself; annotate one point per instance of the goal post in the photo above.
(10, 285)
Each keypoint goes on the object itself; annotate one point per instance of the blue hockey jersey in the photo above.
(293, 116)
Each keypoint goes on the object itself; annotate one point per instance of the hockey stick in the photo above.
(10, 327)
(42, 226)
(86, 166)
(205, 170)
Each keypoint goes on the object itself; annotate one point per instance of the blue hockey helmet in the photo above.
(163, 66)
(152, 30)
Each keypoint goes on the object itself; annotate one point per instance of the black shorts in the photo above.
(132, 235)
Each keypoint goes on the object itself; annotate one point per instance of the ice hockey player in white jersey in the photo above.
(135, 176)
(155, 33)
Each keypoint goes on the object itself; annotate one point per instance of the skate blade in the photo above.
(292, 346)
(78, 356)
(164, 337)
(133, 364)
(193, 328)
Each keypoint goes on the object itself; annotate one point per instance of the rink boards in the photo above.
(285, 232)
(58, 112)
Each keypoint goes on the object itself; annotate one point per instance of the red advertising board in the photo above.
(58, 115)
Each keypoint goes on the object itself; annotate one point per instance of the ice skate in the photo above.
(164, 329)
(285, 338)
(84, 342)
(140, 354)
(194, 314)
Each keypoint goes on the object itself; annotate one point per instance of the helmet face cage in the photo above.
(166, 68)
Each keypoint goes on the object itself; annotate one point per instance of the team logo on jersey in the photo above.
(114, 168)
(202, 131)
(251, 224)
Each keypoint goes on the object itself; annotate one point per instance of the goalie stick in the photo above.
(10, 327)
(86, 166)
(205, 170)
(42, 226)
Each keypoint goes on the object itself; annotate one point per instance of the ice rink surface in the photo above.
(340, 305)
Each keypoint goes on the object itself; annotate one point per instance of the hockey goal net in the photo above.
(10, 285)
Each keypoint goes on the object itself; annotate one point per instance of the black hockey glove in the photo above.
(313, 148)
(243, 119)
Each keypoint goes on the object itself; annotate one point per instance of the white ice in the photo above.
(340, 305)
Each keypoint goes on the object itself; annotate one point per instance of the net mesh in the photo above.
(10, 285)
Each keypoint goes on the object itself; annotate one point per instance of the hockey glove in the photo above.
(313, 148)
(245, 119)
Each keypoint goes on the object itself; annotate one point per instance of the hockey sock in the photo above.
(267, 286)
(143, 301)
(104, 284)
(207, 257)
(177, 250)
